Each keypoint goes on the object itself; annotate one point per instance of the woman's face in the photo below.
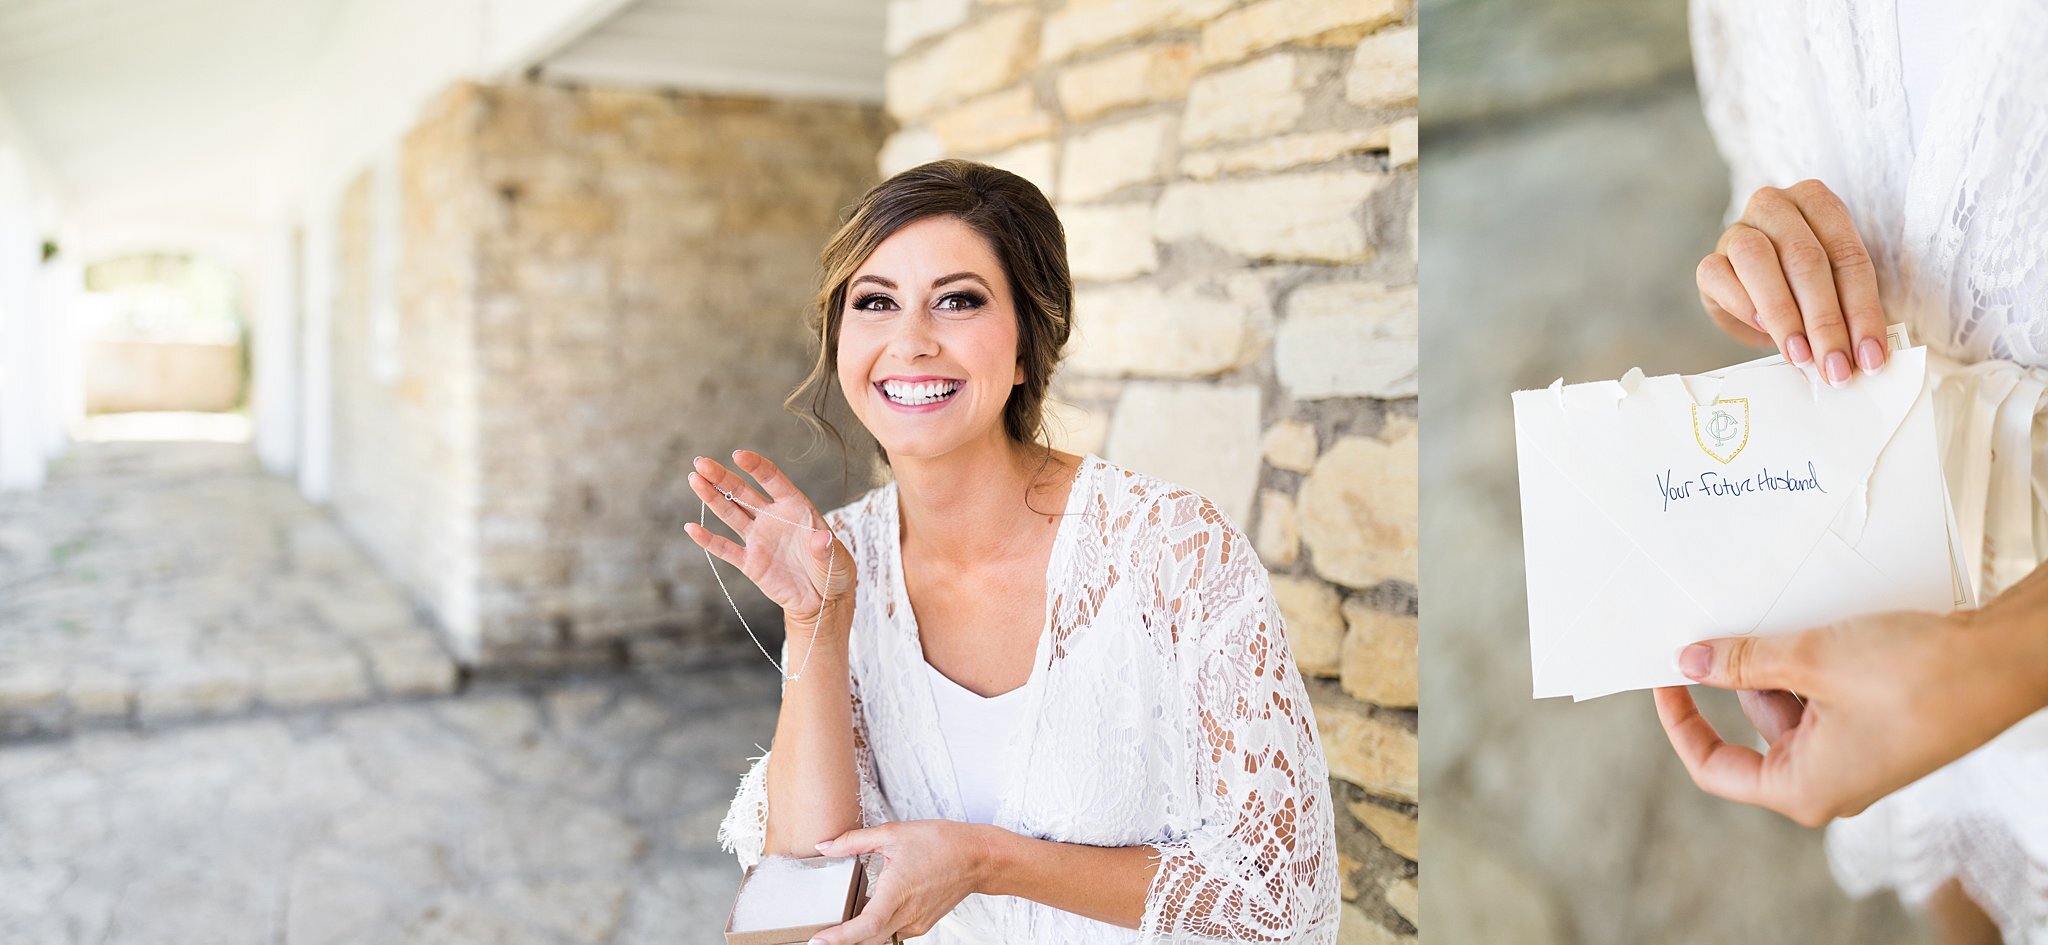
(928, 340)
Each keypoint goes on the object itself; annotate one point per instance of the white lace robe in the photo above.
(1166, 710)
(1958, 229)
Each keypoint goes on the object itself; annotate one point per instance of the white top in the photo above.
(977, 729)
(1955, 216)
(1928, 33)
(1164, 709)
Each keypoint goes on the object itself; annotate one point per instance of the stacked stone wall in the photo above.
(1238, 184)
(597, 286)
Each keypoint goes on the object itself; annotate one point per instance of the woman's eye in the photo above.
(862, 303)
(961, 301)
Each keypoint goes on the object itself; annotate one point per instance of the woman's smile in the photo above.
(920, 394)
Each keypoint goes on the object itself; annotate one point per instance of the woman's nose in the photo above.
(914, 337)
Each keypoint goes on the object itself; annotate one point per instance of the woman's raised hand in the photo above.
(1795, 270)
(801, 570)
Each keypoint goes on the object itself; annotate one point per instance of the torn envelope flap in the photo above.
(1657, 516)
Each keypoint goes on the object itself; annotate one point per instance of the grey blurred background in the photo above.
(1572, 188)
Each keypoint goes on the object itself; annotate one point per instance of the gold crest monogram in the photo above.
(1722, 429)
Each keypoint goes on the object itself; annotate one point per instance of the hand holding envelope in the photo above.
(1658, 511)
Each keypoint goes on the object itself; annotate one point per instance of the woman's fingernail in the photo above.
(822, 846)
(1870, 354)
(1696, 660)
(1796, 349)
(1838, 368)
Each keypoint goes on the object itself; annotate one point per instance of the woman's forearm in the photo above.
(1107, 884)
(2017, 626)
(812, 783)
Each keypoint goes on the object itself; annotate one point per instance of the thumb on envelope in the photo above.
(1775, 662)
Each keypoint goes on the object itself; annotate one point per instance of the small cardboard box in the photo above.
(856, 899)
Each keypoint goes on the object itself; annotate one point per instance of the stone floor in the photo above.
(1563, 244)
(218, 724)
(580, 811)
(154, 581)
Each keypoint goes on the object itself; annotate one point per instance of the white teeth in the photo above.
(911, 395)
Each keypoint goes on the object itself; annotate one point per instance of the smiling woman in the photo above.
(1076, 726)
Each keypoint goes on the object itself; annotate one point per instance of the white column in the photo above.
(21, 253)
(316, 356)
(63, 382)
(274, 362)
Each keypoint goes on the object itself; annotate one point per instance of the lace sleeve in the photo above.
(1261, 865)
(744, 830)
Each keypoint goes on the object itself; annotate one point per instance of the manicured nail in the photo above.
(1838, 368)
(1696, 661)
(1796, 349)
(1870, 354)
(822, 846)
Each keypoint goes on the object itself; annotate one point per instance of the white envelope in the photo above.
(1657, 511)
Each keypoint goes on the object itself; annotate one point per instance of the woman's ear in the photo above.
(1019, 378)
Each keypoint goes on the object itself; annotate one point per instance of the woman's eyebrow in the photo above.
(942, 280)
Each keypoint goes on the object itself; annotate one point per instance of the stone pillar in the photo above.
(274, 337)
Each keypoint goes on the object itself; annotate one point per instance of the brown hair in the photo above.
(1018, 223)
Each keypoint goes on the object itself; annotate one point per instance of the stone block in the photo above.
(1102, 160)
(909, 22)
(1290, 445)
(1358, 508)
(1405, 896)
(1034, 161)
(1110, 242)
(1087, 24)
(99, 692)
(1278, 538)
(1404, 142)
(1398, 831)
(315, 680)
(1284, 152)
(1262, 25)
(413, 669)
(1315, 623)
(1156, 73)
(1312, 217)
(1143, 330)
(1379, 655)
(1075, 429)
(1373, 753)
(1354, 927)
(1262, 97)
(1349, 339)
(983, 56)
(195, 690)
(908, 148)
(1201, 436)
(992, 122)
(28, 686)
(1384, 70)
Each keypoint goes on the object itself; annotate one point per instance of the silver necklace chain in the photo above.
(823, 598)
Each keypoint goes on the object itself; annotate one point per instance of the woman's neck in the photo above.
(969, 505)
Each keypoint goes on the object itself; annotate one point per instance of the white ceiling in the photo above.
(790, 48)
(164, 116)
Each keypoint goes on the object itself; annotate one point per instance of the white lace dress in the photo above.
(1958, 227)
(1164, 709)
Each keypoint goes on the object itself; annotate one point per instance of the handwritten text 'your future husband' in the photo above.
(1711, 483)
